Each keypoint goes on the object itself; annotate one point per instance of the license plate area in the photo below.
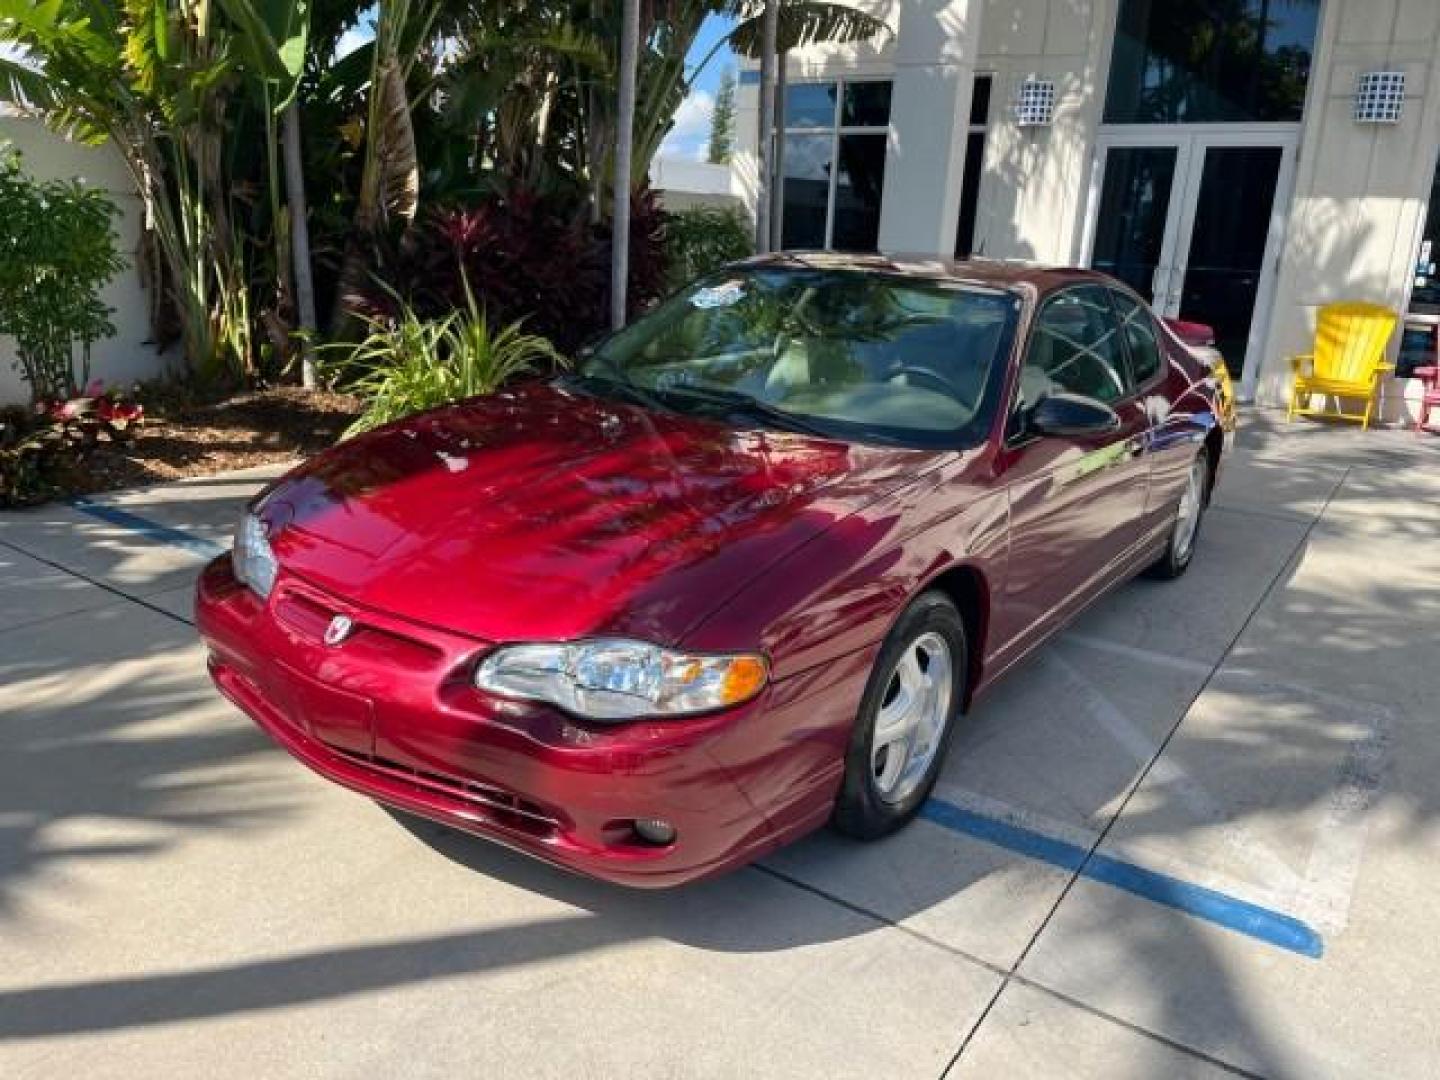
(337, 718)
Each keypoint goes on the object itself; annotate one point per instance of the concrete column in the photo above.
(936, 44)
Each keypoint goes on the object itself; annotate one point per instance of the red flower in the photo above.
(121, 412)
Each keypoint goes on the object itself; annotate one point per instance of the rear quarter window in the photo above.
(1140, 335)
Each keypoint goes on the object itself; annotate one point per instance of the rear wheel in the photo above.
(1188, 515)
(906, 719)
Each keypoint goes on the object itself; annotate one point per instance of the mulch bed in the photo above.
(180, 439)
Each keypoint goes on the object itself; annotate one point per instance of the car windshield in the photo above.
(853, 353)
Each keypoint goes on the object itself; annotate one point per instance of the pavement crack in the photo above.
(99, 584)
(1078, 872)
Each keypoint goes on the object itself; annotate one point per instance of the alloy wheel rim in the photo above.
(910, 722)
(1191, 504)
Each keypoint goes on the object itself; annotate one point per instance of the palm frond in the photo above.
(396, 156)
(806, 22)
(25, 87)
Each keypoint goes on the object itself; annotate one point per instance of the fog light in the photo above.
(654, 831)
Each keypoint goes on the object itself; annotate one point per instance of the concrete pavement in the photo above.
(176, 895)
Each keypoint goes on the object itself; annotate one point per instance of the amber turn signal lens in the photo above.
(743, 680)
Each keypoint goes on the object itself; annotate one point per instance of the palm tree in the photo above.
(273, 39)
(390, 176)
(167, 82)
(770, 28)
(153, 78)
(624, 148)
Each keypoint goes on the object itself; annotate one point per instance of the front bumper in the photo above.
(392, 713)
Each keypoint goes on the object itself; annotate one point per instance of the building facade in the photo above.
(1239, 162)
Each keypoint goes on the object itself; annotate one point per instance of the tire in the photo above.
(1189, 515)
(885, 784)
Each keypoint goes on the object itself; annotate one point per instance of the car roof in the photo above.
(996, 273)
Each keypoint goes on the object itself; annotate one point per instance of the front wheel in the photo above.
(1186, 530)
(906, 718)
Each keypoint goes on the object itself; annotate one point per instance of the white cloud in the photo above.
(690, 137)
(352, 39)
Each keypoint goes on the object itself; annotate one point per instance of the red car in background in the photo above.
(738, 576)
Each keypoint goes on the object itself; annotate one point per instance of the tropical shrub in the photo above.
(526, 256)
(702, 239)
(408, 364)
(57, 251)
(446, 98)
(41, 451)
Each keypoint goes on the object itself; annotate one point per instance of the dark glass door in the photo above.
(1130, 226)
(1227, 243)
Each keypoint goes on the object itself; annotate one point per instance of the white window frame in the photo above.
(835, 130)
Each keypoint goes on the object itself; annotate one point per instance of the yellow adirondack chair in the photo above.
(1348, 360)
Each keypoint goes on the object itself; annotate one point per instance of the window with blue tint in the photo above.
(1211, 61)
(810, 105)
(806, 191)
(832, 167)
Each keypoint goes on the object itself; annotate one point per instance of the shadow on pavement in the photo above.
(87, 751)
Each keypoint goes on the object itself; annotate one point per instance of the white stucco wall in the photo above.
(1360, 189)
(127, 356)
(683, 184)
(1033, 182)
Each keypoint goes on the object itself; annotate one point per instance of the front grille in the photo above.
(305, 610)
(500, 806)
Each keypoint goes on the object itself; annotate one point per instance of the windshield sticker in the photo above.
(718, 296)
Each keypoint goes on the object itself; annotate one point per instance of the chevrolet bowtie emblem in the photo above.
(338, 630)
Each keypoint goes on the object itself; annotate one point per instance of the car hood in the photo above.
(542, 513)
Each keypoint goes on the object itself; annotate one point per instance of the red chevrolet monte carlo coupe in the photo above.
(738, 576)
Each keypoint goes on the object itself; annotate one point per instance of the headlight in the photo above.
(251, 558)
(615, 679)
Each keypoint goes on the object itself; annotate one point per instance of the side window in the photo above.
(1074, 348)
(1146, 357)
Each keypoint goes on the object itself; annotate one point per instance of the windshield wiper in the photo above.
(616, 386)
(738, 402)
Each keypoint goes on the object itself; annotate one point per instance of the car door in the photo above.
(1076, 502)
(1171, 445)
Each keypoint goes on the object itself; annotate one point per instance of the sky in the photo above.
(691, 134)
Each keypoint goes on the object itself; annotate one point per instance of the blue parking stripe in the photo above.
(165, 534)
(1254, 921)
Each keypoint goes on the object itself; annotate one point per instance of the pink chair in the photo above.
(1430, 399)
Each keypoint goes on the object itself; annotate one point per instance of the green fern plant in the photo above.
(408, 364)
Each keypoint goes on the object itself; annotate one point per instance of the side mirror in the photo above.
(1072, 416)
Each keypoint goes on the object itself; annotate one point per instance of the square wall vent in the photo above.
(1035, 104)
(1379, 97)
